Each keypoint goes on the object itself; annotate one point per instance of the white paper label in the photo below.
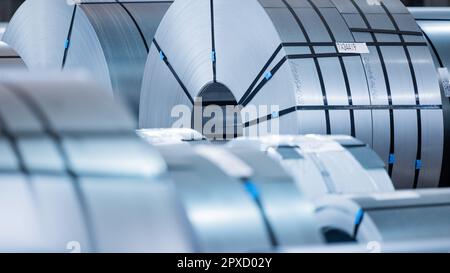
(358, 48)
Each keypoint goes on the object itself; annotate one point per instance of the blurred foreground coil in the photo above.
(326, 165)
(110, 39)
(351, 67)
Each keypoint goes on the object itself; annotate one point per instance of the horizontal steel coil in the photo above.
(352, 67)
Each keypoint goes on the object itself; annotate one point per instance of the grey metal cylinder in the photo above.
(109, 39)
(347, 67)
(75, 177)
(239, 200)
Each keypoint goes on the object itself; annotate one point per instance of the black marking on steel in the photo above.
(177, 78)
(316, 63)
(213, 43)
(342, 108)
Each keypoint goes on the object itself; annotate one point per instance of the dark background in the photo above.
(8, 7)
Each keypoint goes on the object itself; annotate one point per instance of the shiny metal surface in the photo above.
(223, 216)
(292, 54)
(389, 217)
(325, 165)
(171, 136)
(287, 210)
(435, 24)
(106, 38)
(9, 59)
(75, 177)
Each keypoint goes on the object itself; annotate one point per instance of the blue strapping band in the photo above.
(275, 114)
(268, 75)
(161, 55)
(391, 159)
(418, 164)
(213, 56)
(359, 217)
(252, 189)
(66, 44)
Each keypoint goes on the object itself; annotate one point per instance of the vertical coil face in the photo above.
(109, 39)
(351, 67)
(72, 170)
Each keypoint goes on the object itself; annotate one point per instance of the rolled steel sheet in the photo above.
(75, 177)
(325, 165)
(9, 59)
(332, 67)
(239, 200)
(109, 39)
(435, 24)
(401, 216)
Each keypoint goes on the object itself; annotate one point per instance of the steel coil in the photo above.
(435, 24)
(73, 174)
(239, 200)
(348, 67)
(110, 39)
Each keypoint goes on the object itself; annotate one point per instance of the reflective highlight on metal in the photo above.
(107, 38)
(73, 173)
(417, 216)
(324, 165)
(171, 136)
(308, 57)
